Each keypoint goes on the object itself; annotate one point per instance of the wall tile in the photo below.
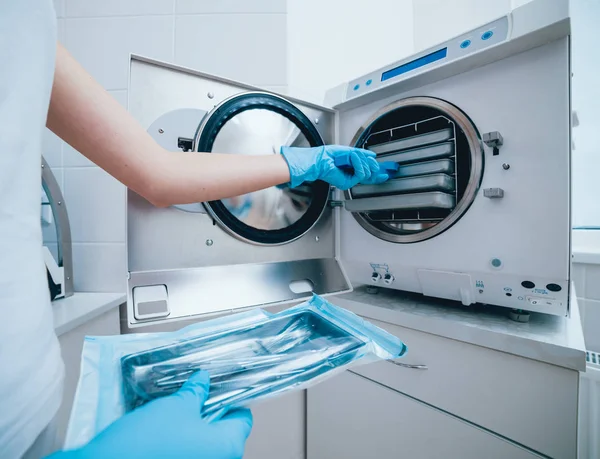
(60, 30)
(103, 45)
(96, 204)
(591, 324)
(99, 267)
(91, 8)
(72, 158)
(581, 304)
(52, 148)
(59, 175)
(231, 6)
(120, 95)
(330, 43)
(578, 278)
(255, 53)
(592, 282)
(59, 7)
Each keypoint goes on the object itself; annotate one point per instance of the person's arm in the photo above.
(84, 115)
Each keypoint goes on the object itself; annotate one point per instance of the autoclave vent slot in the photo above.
(424, 189)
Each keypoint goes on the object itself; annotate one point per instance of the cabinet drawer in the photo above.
(351, 417)
(530, 402)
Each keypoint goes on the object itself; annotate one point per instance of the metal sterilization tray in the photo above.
(243, 363)
(435, 182)
(432, 200)
(443, 150)
(440, 166)
(414, 141)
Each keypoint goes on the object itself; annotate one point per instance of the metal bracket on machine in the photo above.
(493, 140)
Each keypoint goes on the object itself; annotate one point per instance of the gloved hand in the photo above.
(317, 163)
(171, 427)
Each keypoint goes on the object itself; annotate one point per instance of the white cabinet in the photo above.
(352, 417)
(470, 402)
(279, 430)
(530, 402)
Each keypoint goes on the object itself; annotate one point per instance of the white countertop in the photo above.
(551, 339)
(70, 313)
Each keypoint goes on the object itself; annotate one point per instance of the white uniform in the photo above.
(31, 369)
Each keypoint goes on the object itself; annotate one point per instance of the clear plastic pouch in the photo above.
(249, 356)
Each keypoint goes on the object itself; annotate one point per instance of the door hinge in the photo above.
(333, 203)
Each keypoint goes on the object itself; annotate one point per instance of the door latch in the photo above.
(493, 193)
(185, 144)
(493, 140)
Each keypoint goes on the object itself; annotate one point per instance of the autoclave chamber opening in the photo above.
(440, 157)
(255, 123)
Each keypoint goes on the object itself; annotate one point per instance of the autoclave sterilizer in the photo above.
(478, 212)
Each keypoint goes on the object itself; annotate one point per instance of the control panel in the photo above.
(457, 48)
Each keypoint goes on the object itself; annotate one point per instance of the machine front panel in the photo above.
(513, 240)
(464, 45)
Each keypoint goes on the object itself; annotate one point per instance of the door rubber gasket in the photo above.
(205, 139)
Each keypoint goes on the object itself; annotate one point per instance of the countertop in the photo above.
(551, 339)
(71, 312)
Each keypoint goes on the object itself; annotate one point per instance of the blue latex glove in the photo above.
(318, 163)
(171, 427)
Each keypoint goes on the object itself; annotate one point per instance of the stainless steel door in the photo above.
(192, 260)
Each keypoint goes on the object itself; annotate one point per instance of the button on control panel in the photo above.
(487, 35)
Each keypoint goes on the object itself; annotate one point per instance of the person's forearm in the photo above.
(84, 115)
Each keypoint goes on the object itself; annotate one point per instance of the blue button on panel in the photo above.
(487, 35)
(465, 44)
(356, 87)
(368, 83)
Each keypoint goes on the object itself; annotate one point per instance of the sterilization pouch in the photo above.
(249, 356)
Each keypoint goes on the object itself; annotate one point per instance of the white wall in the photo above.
(586, 101)
(332, 41)
(587, 285)
(239, 39)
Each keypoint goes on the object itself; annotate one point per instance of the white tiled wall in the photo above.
(239, 39)
(587, 286)
(332, 41)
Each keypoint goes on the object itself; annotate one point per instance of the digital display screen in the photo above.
(420, 62)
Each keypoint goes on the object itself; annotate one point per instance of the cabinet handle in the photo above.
(409, 365)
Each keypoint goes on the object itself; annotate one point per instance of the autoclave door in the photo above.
(259, 249)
